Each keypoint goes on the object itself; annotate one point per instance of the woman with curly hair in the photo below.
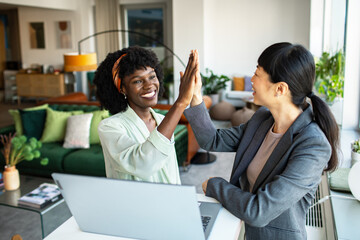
(137, 142)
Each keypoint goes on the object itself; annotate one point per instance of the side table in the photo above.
(51, 216)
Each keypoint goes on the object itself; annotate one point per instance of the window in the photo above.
(148, 24)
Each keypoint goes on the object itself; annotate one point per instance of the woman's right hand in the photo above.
(197, 97)
(187, 79)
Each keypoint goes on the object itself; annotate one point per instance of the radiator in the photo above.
(319, 219)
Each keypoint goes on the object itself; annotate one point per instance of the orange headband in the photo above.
(117, 80)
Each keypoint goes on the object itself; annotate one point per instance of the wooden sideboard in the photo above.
(39, 85)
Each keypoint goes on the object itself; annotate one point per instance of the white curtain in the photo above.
(107, 18)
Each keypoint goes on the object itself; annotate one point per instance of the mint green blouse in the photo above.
(132, 152)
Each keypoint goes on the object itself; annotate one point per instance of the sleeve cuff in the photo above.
(161, 142)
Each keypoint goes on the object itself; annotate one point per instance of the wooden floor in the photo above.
(5, 117)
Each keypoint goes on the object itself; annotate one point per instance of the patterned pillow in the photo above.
(78, 131)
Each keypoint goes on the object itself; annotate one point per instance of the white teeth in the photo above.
(148, 95)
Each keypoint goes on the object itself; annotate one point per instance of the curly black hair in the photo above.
(136, 58)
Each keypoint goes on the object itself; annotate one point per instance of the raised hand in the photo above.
(187, 79)
(186, 92)
(197, 97)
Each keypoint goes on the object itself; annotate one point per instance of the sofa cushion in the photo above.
(17, 118)
(55, 152)
(55, 125)
(98, 116)
(33, 122)
(247, 83)
(86, 161)
(78, 131)
(238, 83)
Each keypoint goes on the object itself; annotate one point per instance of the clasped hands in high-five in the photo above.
(190, 81)
(189, 93)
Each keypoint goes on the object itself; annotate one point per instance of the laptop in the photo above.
(133, 209)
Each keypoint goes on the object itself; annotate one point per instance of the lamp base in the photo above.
(203, 158)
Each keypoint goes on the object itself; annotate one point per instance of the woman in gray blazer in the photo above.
(281, 152)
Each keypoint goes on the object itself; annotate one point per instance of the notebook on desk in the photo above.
(139, 210)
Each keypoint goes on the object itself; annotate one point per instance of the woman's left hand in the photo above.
(204, 185)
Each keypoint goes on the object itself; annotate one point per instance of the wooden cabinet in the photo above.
(40, 85)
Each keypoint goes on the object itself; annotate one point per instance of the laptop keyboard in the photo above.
(205, 221)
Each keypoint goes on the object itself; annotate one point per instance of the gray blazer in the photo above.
(277, 206)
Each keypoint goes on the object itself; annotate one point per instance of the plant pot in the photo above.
(336, 108)
(11, 178)
(355, 157)
(214, 98)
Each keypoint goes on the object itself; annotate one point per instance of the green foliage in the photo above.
(330, 75)
(17, 149)
(212, 83)
(168, 77)
(356, 146)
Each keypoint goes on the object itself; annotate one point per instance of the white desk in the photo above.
(226, 226)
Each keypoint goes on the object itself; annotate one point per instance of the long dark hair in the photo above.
(136, 58)
(294, 64)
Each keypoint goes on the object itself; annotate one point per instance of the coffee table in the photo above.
(51, 216)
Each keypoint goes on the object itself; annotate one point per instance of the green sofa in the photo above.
(83, 161)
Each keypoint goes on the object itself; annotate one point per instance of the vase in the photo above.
(11, 178)
(214, 98)
(355, 157)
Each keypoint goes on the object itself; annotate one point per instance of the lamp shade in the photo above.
(74, 62)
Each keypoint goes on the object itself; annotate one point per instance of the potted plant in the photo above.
(329, 81)
(212, 84)
(16, 149)
(355, 152)
(168, 80)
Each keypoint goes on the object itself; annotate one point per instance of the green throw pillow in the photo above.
(17, 118)
(55, 125)
(33, 122)
(97, 117)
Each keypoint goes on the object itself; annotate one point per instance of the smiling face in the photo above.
(141, 88)
(264, 89)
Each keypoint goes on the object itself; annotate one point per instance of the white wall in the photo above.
(237, 31)
(53, 4)
(231, 34)
(81, 26)
(188, 33)
(351, 105)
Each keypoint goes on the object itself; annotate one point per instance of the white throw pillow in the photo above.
(78, 131)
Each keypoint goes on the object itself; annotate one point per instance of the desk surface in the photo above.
(227, 226)
(346, 215)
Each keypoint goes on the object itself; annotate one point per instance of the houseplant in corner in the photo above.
(212, 84)
(355, 152)
(329, 82)
(16, 149)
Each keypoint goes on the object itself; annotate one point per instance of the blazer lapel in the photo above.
(284, 144)
(249, 150)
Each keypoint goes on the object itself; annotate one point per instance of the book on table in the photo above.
(41, 196)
